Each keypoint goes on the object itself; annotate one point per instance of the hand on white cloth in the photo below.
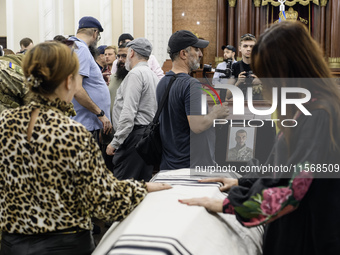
(211, 204)
(154, 186)
(227, 182)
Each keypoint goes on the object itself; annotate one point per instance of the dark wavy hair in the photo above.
(286, 50)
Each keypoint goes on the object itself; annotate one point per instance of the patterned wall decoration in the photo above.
(198, 17)
(290, 2)
(158, 26)
(47, 18)
(106, 19)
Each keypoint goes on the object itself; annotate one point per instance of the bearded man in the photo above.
(188, 138)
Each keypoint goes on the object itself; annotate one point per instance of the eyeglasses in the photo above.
(247, 35)
(121, 56)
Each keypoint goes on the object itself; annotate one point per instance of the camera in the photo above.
(206, 68)
(249, 78)
(228, 71)
(249, 75)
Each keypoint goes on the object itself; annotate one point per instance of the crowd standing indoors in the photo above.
(52, 175)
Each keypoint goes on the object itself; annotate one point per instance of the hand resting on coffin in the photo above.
(227, 182)
(154, 186)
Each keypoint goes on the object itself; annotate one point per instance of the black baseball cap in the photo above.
(182, 39)
(229, 47)
(125, 36)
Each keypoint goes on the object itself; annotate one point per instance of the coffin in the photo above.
(161, 225)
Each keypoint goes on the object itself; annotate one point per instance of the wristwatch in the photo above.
(101, 114)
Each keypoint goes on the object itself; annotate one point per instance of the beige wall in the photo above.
(3, 18)
(138, 18)
(117, 26)
(69, 23)
(25, 22)
(202, 11)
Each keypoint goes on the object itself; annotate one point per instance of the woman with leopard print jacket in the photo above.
(53, 178)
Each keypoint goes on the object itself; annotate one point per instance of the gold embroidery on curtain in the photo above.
(232, 3)
(292, 2)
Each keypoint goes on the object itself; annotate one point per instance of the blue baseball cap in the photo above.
(90, 22)
(101, 49)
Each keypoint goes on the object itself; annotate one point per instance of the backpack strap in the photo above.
(164, 99)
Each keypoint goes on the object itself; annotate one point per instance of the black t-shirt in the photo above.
(239, 67)
(182, 148)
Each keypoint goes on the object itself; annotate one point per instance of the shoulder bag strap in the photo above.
(164, 99)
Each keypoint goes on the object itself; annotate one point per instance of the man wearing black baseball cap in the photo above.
(187, 137)
(228, 59)
(183, 39)
(229, 52)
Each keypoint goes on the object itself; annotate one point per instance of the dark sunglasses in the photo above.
(247, 35)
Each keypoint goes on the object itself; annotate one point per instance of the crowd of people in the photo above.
(68, 153)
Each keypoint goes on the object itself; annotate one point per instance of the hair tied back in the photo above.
(33, 81)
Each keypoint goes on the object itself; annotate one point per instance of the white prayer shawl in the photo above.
(162, 225)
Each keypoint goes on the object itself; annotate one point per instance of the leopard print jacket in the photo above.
(57, 179)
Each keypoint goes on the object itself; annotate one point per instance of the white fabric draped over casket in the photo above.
(161, 225)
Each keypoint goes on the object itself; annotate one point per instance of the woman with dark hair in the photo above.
(300, 210)
(53, 178)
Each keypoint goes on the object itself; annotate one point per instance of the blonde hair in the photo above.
(47, 65)
(114, 48)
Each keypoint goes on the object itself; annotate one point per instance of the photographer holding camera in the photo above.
(242, 72)
(223, 69)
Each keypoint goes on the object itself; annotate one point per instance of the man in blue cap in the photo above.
(92, 101)
(100, 57)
